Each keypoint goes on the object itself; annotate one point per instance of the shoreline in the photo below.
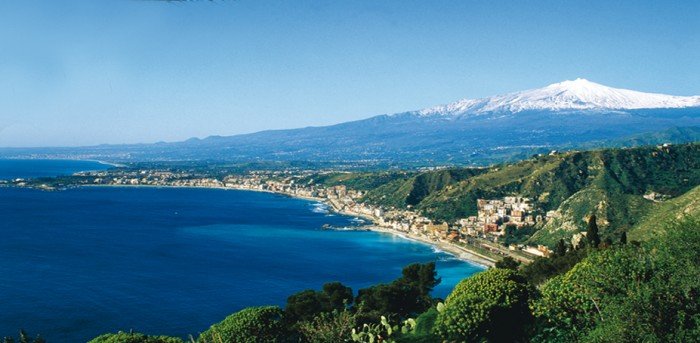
(456, 251)
(459, 252)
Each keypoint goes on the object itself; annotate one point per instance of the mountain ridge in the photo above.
(578, 94)
(411, 139)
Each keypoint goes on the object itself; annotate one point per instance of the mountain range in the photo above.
(564, 115)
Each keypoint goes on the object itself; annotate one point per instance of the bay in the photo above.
(85, 261)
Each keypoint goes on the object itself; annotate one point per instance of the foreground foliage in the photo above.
(123, 337)
(253, 324)
(330, 327)
(490, 306)
(627, 293)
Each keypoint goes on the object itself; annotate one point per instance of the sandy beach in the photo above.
(457, 251)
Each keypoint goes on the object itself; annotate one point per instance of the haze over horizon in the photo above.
(82, 73)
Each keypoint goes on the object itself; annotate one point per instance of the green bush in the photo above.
(250, 325)
(123, 337)
(490, 306)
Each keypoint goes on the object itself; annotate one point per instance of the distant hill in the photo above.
(610, 183)
(566, 115)
(675, 135)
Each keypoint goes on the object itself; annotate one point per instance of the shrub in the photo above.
(123, 337)
(330, 327)
(489, 306)
(250, 325)
(423, 332)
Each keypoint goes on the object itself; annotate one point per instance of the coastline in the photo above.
(459, 252)
(450, 249)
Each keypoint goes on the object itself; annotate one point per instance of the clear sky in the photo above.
(126, 71)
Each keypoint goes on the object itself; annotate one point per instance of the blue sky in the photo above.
(126, 71)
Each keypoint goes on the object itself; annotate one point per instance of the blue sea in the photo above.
(81, 262)
(12, 169)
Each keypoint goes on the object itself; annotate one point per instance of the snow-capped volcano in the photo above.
(482, 131)
(579, 94)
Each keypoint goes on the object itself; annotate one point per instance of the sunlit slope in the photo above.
(610, 183)
(667, 213)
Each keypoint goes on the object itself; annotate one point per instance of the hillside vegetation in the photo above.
(664, 214)
(610, 183)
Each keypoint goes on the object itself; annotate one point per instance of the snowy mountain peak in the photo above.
(579, 94)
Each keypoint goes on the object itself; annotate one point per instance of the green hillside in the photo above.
(358, 181)
(609, 182)
(414, 190)
(666, 214)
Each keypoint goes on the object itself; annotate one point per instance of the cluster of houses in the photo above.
(149, 178)
(494, 215)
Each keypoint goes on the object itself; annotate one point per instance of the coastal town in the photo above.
(477, 238)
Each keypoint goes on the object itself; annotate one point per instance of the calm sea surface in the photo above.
(11, 169)
(77, 263)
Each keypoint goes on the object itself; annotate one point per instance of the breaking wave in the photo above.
(320, 208)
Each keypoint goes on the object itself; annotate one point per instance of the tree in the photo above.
(608, 242)
(623, 238)
(405, 296)
(394, 299)
(305, 305)
(561, 248)
(508, 263)
(592, 234)
(491, 306)
(250, 325)
(339, 295)
(422, 276)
